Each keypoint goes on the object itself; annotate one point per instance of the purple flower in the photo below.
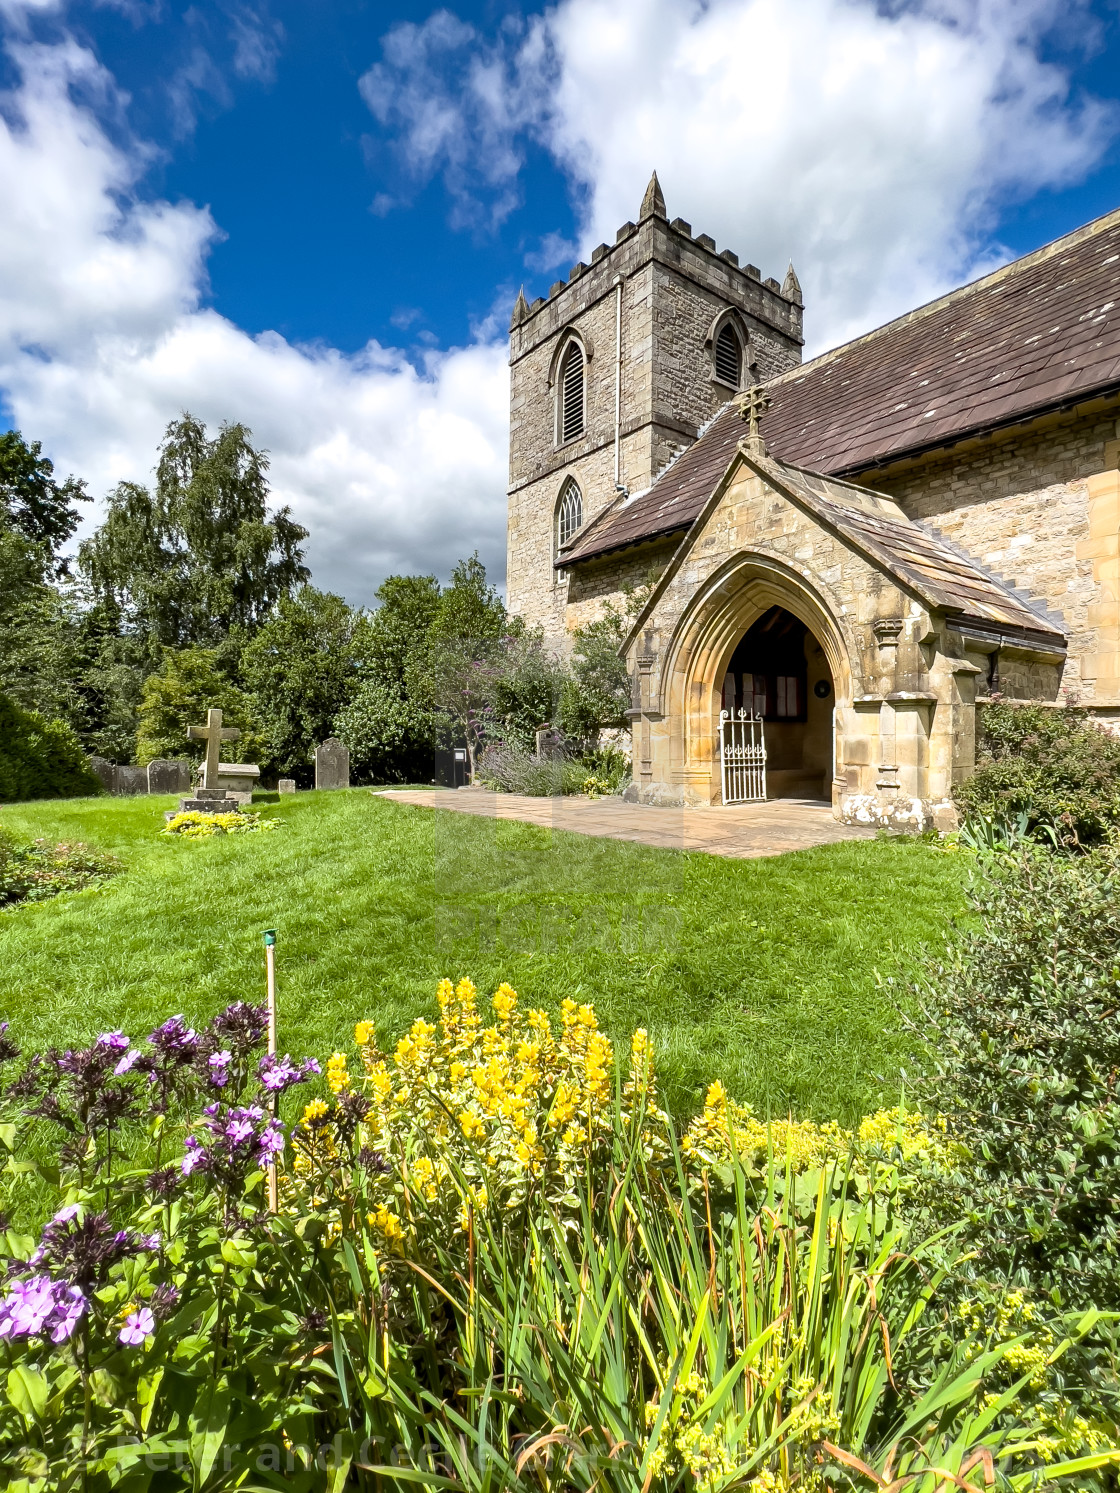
(116, 1041)
(64, 1215)
(272, 1139)
(25, 1310)
(41, 1307)
(175, 1038)
(220, 1059)
(278, 1074)
(70, 1305)
(128, 1062)
(239, 1131)
(195, 1157)
(138, 1327)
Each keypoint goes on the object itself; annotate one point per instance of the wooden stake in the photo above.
(270, 970)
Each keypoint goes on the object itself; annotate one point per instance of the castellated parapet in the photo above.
(672, 292)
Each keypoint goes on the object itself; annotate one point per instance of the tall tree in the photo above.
(302, 668)
(38, 626)
(458, 670)
(392, 735)
(32, 503)
(200, 554)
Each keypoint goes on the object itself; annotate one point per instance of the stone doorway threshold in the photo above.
(744, 831)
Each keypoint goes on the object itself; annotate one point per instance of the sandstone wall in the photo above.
(1021, 505)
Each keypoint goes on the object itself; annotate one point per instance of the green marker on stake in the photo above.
(270, 971)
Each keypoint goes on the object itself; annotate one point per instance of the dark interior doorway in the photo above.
(779, 671)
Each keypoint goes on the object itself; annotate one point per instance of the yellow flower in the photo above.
(387, 1223)
(338, 1076)
(314, 1110)
(505, 998)
(471, 1123)
(363, 1033)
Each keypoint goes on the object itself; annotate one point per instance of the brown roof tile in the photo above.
(1032, 335)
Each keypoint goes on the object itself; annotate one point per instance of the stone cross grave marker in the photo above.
(332, 764)
(213, 734)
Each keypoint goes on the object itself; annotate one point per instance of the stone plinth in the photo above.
(286, 785)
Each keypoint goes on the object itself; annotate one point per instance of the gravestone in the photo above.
(213, 734)
(169, 775)
(131, 781)
(105, 772)
(286, 785)
(332, 764)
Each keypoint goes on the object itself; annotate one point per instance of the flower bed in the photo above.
(194, 825)
(33, 872)
(493, 1263)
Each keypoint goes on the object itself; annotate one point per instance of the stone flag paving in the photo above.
(743, 832)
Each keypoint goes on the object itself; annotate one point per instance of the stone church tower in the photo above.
(613, 375)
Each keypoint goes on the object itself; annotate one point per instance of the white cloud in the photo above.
(874, 145)
(104, 337)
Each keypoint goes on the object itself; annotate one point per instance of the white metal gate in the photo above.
(742, 753)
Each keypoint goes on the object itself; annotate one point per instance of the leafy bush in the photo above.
(632, 1331)
(34, 872)
(40, 758)
(391, 738)
(1054, 766)
(1021, 1015)
(194, 825)
(608, 771)
(189, 682)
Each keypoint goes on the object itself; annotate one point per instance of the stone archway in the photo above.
(704, 643)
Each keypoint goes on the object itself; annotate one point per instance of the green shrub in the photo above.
(40, 758)
(1022, 1014)
(1052, 765)
(188, 683)
(390, 737)
(32, 873)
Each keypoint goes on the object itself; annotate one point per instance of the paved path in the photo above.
(746, 831)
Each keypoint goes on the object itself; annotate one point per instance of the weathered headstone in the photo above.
(130, 781)
(169, 775)
(105, 772)
(286, 785)
(332, 764)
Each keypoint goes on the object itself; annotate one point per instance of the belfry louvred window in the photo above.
(571, 393)
(728, 355)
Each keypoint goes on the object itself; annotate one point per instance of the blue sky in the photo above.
(314, 217)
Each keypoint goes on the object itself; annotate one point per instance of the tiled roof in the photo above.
(914, 553)
(1038, 333)
(675, 498)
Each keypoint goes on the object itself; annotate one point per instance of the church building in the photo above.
(838, 561)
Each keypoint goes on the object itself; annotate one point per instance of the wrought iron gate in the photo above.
(742, 753)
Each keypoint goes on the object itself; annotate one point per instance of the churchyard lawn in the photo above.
(761, 973)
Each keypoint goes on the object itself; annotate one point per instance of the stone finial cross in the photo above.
(753, 404)
(213, 734)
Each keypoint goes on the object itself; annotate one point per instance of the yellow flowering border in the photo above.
(461, 1114)
(195, 825)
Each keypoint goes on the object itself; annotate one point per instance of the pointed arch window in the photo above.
(728, 356)
(569, 513)
(571, 394)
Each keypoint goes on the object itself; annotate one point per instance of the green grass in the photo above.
(761, 973)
